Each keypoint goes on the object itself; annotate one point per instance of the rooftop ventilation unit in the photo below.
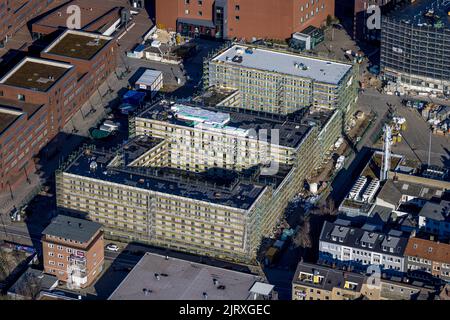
(370, 191)
(357, 187)
(237, 59)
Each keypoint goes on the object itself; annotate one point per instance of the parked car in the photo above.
(112, 247)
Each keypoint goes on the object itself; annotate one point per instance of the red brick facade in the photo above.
(246, 19)
(59, 103)
(57, 254)
(15, 14)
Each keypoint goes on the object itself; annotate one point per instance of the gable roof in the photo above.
(428, 249)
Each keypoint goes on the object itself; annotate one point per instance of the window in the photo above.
(186, 11)
(237, 7)
(21, 97)
(51, 245)
(238, 18)
(51, 262)
(186, 1)
(51, 254)
(200, 13)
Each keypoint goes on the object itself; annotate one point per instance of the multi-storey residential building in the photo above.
(317, 282)
(73, 250)
(241, 19)
(415, 47)
(15, 14)
(197, 179)
(314, 282)
(290, 82)
(387, 287)
(429, 256)
(434, 218)
(39, 96)
(341, 244)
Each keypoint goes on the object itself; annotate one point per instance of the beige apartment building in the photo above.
(280, 82)
(197, 179)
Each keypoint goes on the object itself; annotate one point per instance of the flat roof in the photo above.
(75, 229)
(79, 45)
(36, 74)
(149, 76)
(93, 13)
(156, 278)
(239, 121)
(231, 192)
(320, 70)
(7, 119)
(10, 111)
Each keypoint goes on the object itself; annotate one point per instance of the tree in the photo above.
(329, 20)
(30, 287)
(4, 265)
(303, 235)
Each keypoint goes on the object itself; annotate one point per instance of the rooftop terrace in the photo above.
(326, 71)
(79, 45)
(232, 121)
(36, 74)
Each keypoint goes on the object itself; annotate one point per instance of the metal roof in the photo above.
(72, 228)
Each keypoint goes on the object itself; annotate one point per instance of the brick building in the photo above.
(429, 256)
(242, 19)
(14, 14)
(96, 16)
(73, 250)
(39, 96)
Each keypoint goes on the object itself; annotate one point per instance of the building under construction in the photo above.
(415, 47)
(290, 82)
(210, 181)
